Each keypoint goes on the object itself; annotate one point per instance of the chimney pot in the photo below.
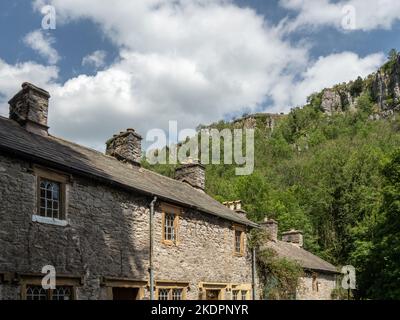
(29, 107)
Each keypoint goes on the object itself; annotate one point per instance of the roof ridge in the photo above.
(295, 247)
(114, 159)
(137, 177)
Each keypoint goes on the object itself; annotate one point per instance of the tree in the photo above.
(380, 278)
(356, 87)
(393, 55)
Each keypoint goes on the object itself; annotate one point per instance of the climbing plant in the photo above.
(279, 277)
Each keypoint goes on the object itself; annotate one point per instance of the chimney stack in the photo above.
(192, 173)
(236, 206)
(271, 227)
(126, 147)
(29, 107)
(293, 236)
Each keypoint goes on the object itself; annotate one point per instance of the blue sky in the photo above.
(115, 64)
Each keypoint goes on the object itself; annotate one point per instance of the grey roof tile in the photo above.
(77, 159)
(305, 258)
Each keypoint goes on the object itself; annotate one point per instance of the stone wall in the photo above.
(126, 146)
(193, 174)
(322, 288)
(107, 235)
(31, 103)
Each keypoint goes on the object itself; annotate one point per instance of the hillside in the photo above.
(332, 169)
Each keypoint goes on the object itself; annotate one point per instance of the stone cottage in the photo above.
(320, 277)
(109, 227)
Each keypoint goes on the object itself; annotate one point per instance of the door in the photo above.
(125, 293)
(213, 294)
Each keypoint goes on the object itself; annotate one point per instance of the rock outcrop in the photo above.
(385, 88)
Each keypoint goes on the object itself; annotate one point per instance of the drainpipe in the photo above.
(151, 271)
(253, 275)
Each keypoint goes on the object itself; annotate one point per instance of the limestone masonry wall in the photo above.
(107, 235)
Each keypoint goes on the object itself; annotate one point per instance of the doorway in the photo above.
(213, 294)
(125, 293)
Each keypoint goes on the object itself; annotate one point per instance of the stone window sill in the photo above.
(47, 220)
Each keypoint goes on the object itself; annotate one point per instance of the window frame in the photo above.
(171, 286)
(242, 230)
(315, 282)
(176, 211)
(235, 298)
(242, 290)
(61, 281)
(57, 177)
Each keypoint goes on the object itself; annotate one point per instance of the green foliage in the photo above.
(320, 174)
(378, 259)
(356, 87)
(364, 103)
(335, 178)
(279, 277)
(392, 58)
(393, 54)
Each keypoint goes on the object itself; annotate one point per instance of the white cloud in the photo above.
(190, 61)
(12, 76)
(369, 14)
(43, 45)
(334, 69)
(95, 59)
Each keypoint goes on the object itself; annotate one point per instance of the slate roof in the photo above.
(306, 259)
(73, 158)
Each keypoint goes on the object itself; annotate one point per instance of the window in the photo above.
(239, 240)
(163, 294)
(315, 283)
(51, 188)
(169, 228)
(177, 294)
(170, 294)
(50, 199)
(35, 292)
(170, 224)
(62, 293)
(166, 290)
(244, 294)
(235, 294)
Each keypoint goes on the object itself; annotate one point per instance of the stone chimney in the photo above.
(29, 107)
(126, 147)
(193, 173)
(293, 236)
(271, 227)
(236, 206)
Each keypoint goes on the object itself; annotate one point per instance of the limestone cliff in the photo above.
(383, 87)
(379, 92)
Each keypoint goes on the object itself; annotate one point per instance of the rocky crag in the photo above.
(380, 89)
